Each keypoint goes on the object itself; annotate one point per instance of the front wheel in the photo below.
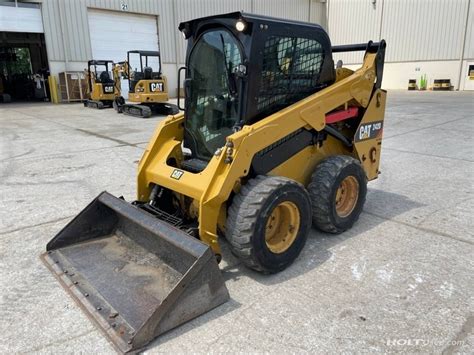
(268, 223)
(338, 189)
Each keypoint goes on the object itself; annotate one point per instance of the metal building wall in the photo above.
(423, 30)
(189, 9)
(415, 30)
(52, 30)
(294, 10)
(469, 40)
(67, 29)
(353, 21)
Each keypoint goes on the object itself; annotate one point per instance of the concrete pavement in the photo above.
(402, 280)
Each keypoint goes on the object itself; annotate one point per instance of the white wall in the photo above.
(20, 19)
(465, 83)
(396, 75)
(425, 34)
(171, 73)
(56, 67)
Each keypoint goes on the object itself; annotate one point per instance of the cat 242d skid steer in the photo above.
(273, 139)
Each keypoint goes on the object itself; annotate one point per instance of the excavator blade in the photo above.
(134, 275)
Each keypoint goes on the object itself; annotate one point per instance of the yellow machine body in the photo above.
(148, 87)
(150, 91)
(102, 89)
(259, 172)
(99, 92)
(212, 187)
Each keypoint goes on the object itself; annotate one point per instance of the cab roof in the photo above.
(146, 53)
(99, 62)
(248, 17)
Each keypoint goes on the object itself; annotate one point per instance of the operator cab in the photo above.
(241, 68)
(143, 65)
(101, 71)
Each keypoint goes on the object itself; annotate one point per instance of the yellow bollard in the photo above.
(53, 89)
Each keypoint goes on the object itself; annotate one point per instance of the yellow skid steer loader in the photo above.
(273, 139)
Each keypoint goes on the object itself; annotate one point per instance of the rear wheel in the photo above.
(268, 223)
(338, 188)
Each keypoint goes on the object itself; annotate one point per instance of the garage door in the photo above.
(21, 19)
(114, 33)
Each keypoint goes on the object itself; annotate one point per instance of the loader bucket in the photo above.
(134, 275)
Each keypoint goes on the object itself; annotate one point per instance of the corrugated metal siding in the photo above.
(189, 9)
(414, 30)
(170, 13)
(318, 13)
(424, 29)
(294, 10)
(418, 30)
(469, 46)
(166, 28)
(76, 30)
(52, 30)
(353, 21)
(76, 27)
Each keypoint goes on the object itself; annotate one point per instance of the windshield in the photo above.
(212, 110)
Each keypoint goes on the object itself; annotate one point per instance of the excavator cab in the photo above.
(143, 65)
(103, 86)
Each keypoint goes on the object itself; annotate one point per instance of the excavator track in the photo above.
(94, 104)
(136, 110)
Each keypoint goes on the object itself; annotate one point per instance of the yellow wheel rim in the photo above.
(346, 196)
(282, 227)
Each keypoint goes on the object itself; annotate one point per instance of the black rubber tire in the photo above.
(247, 217)
(325, 181)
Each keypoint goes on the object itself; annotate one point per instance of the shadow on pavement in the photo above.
(319, 244)
(316, 252)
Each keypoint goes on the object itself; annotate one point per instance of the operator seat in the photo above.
(147, 73)
(105, 78)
